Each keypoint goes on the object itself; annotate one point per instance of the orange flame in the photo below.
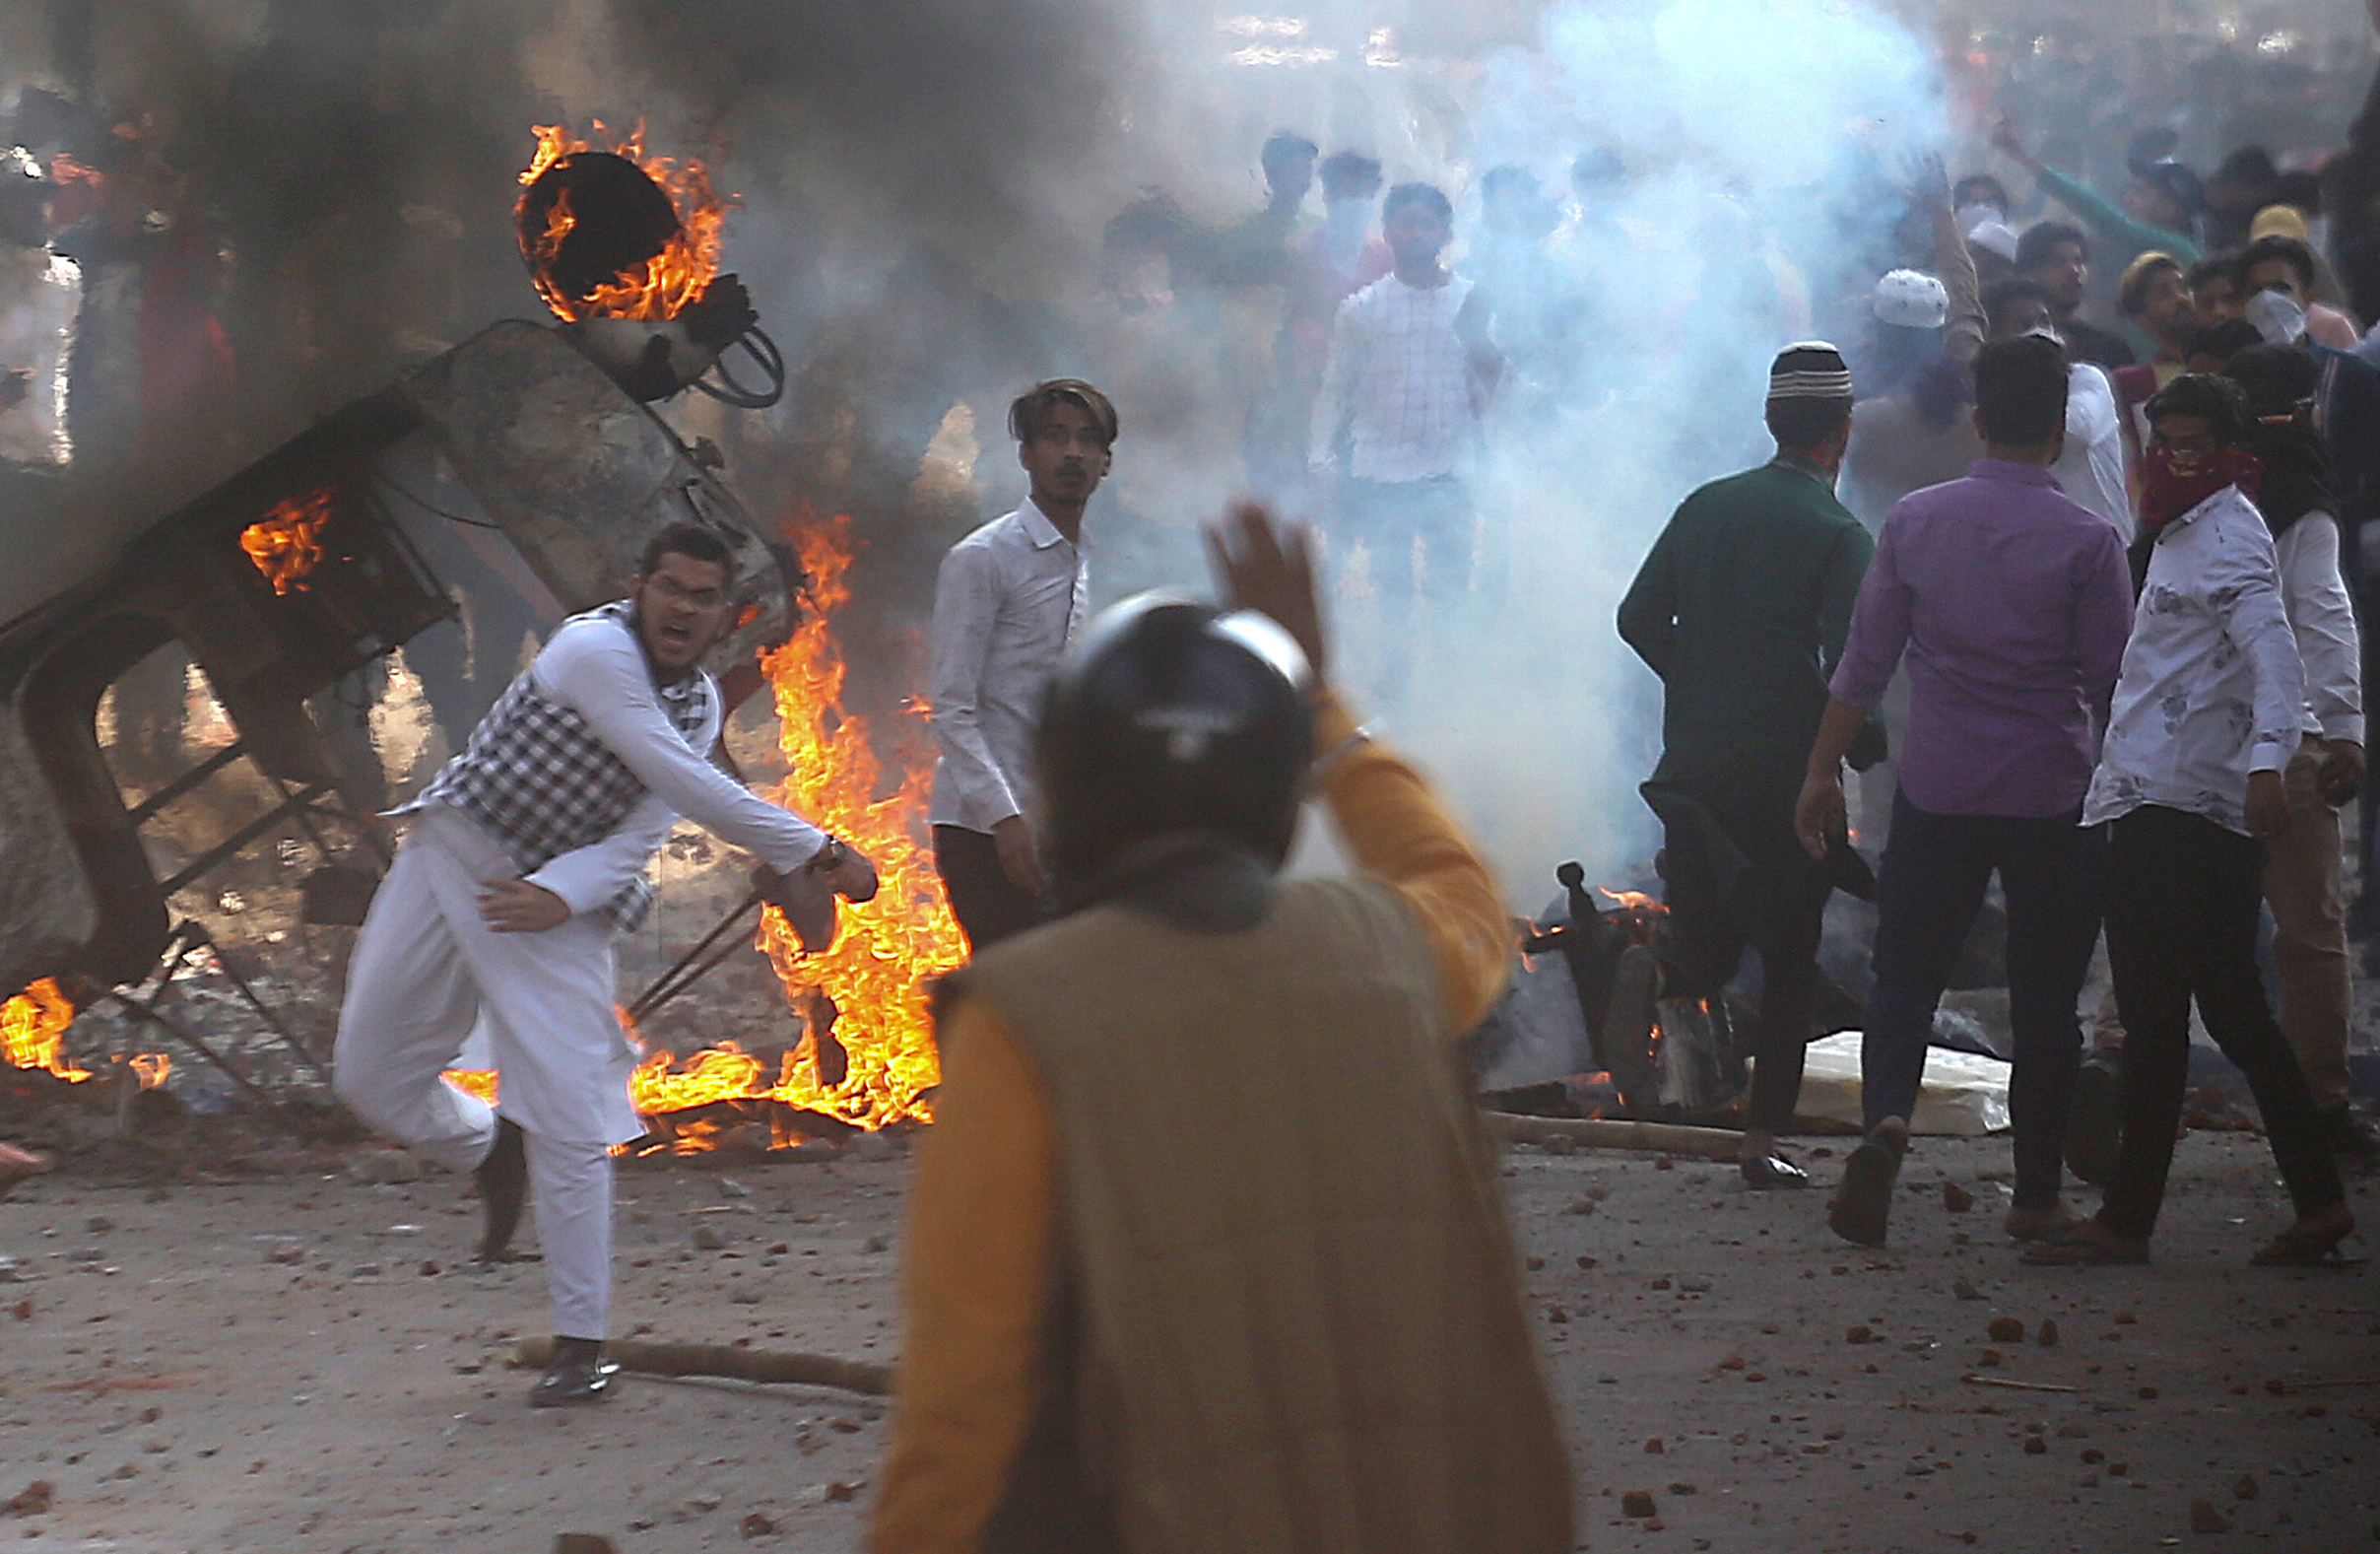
(153, 1068)
(658, 288)
(867, 996)
(33, 1030)
(1631, 899)
(285, 544)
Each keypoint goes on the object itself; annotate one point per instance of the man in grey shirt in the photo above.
(1010, 597)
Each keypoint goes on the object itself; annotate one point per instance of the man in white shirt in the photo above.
(1009, 597)
(529, 854)
(2209, 708)
(1411, 369)
(2090, 469)
(2303, 864)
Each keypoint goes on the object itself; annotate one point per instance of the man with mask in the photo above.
(2209, 710)
(1741, 609)
(2275, 278)
(1009, 598)
(2055, 257)
(528, 855)
(1169, 1287)
(2302, 864)
(1411, 370)
(2011, 605)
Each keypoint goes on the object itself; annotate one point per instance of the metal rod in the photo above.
(189, 779)
(241, 837)
(670, 983)
(189, 1038)
(288, 1037)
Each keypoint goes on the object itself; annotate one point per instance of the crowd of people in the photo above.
(2086, 623)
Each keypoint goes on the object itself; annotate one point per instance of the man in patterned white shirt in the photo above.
(527, 857)
(1410, 369)
(1009, 598)
(2208, 711)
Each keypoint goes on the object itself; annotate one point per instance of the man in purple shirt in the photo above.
(2013, 605)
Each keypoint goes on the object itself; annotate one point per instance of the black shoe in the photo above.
(1766, 1173)
(504, 1178)
(579, 1374)
(2094, 1124)
(2346, 1133)
(1864, 1202)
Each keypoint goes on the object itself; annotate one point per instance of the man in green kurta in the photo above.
(1742, 609)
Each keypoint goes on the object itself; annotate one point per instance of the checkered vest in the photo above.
(540, 782)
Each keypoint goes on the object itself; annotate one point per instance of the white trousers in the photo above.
(426, 971)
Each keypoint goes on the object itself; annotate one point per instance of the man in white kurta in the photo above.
(529, 853)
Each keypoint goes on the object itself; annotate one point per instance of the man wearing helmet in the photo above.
(1203, 1140)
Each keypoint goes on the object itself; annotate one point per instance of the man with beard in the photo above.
(528, 855)
(1009, 597)
(2055, 257)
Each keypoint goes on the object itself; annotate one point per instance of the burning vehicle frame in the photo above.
(312, 564)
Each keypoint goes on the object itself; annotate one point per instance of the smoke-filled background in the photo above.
(297, 200)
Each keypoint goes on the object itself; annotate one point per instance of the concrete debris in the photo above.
(708, 1238)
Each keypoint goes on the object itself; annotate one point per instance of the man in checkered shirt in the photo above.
(1410, 369)
(529, 853)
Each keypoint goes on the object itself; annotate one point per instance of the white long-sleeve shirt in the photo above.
(2323, 619)
(1009, 598)
(596, 669)
(2212, 688)
(2090, 469)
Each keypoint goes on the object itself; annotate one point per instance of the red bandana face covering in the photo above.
(2174, 480)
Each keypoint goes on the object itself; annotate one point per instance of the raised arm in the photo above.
(1394, 827)
(1953, 265)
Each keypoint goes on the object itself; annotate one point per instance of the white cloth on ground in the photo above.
(1009, 597)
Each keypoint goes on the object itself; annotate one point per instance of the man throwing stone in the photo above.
(528, 855)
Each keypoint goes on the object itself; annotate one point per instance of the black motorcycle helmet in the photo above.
(1175, 734)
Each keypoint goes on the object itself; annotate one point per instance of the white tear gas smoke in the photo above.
(924, 188)
(1743, 172)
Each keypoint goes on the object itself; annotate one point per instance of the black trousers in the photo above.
(989, 906)
(1778, 909)
(1927, 895)
(2183, 900)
